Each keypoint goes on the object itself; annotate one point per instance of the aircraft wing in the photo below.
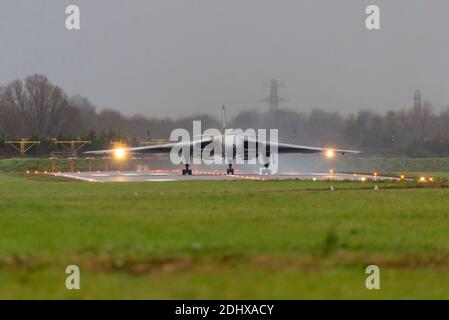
(295, 148)
(158, 148)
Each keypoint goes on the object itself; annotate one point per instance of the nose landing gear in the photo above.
(187, 171)
(230, 170)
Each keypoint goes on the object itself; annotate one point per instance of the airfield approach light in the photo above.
(330, 154)
(331, 171)
(119, 153)
(28, 171)
(363, 179)
(402, 177)
(431, 179)
(422, 179)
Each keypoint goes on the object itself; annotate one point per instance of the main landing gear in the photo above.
(187, 171)
(230, 170)
(266, 169)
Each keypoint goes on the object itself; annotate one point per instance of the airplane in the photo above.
(231, 143)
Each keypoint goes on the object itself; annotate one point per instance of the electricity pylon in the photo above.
(274, 99)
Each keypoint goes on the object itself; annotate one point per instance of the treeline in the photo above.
(37, 109)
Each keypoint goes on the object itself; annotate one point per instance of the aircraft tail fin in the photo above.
(223, 117)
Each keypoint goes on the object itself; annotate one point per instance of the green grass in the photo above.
(21, 165)
(222, 239)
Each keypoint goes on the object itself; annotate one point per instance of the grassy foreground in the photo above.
(222, 239)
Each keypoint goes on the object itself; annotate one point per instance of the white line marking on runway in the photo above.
(76, 177)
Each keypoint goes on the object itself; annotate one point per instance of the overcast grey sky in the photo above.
(177, 57)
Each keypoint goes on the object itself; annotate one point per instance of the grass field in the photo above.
(222, 239)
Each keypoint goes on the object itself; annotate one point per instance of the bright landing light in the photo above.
(119, 153)
(330, 154)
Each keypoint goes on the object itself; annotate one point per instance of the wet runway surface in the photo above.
(169, 176)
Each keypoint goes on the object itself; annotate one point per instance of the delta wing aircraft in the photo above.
(233, 145)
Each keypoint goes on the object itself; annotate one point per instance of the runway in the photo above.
(170, 176)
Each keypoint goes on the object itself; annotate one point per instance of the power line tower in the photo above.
(418, 103)
(419, 113)
(274, 99)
